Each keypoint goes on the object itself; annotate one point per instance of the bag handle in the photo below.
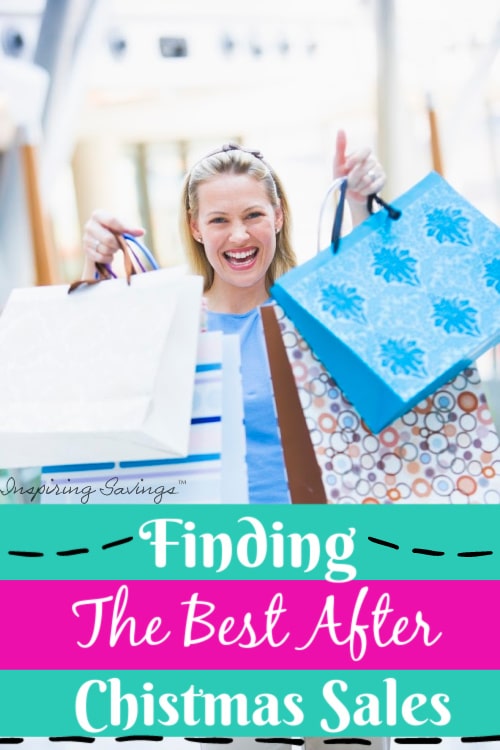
(105, 272)
(393, 213)
(340, 184)
(144, 250)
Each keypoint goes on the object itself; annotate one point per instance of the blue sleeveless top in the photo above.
(266, 467)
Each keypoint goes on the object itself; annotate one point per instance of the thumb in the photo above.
(135, 231)
(340, 154)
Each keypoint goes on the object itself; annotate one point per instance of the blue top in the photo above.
(266, 467)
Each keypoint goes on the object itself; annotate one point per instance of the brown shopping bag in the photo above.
(444, 450)
(303, 473)
(103, 372)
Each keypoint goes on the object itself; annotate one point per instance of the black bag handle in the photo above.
(340, 184)
(394, 213)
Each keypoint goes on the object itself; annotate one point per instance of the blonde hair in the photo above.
(233, 159)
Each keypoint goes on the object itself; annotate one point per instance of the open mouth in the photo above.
(241, 258)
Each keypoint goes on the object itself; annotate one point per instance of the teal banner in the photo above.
(231, 703)
(224, 542)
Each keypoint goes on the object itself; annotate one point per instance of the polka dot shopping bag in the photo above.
(444, 450)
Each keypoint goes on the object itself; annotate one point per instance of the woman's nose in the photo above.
(239, 232)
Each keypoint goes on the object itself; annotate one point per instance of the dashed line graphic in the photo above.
(128, 539)
(353, 741)
(71, 552)
(429, 552)
(19, 553)
(487, 738)
(117, 543)
(140, 738)
(481, 553)
(72, 738)
(294, 741)
(383, 542)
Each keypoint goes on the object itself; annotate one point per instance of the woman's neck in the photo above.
(235, 300)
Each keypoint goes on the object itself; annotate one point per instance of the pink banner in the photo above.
(249, 625)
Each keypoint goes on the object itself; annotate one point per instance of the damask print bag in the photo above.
(405, 305)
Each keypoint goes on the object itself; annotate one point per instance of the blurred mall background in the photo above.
(105, 103)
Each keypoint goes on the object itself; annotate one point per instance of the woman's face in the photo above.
(237, 224)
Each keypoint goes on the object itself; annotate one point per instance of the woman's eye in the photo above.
(255, 214)
(217, 220)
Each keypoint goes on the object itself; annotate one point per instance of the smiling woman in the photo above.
(235, 223)
(237, 220)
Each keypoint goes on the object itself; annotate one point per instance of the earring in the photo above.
(200, 239)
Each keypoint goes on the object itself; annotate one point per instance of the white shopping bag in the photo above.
(234, 445)
(214, 470)
(103, 372)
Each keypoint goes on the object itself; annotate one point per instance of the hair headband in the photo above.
(230, 147)
(224, 149)
(235, 147)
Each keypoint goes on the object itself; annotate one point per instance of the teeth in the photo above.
(241, 256)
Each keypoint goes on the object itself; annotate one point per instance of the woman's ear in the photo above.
(193, 225)
(278, 218)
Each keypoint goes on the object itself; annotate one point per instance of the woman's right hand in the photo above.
(99, 240)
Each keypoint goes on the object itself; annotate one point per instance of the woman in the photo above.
(235, 223)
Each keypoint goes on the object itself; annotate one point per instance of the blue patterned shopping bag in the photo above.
(404, 305)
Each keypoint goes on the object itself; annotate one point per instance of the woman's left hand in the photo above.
(364, 175)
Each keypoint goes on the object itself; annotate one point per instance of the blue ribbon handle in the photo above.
(144, 250)
(340, 184)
